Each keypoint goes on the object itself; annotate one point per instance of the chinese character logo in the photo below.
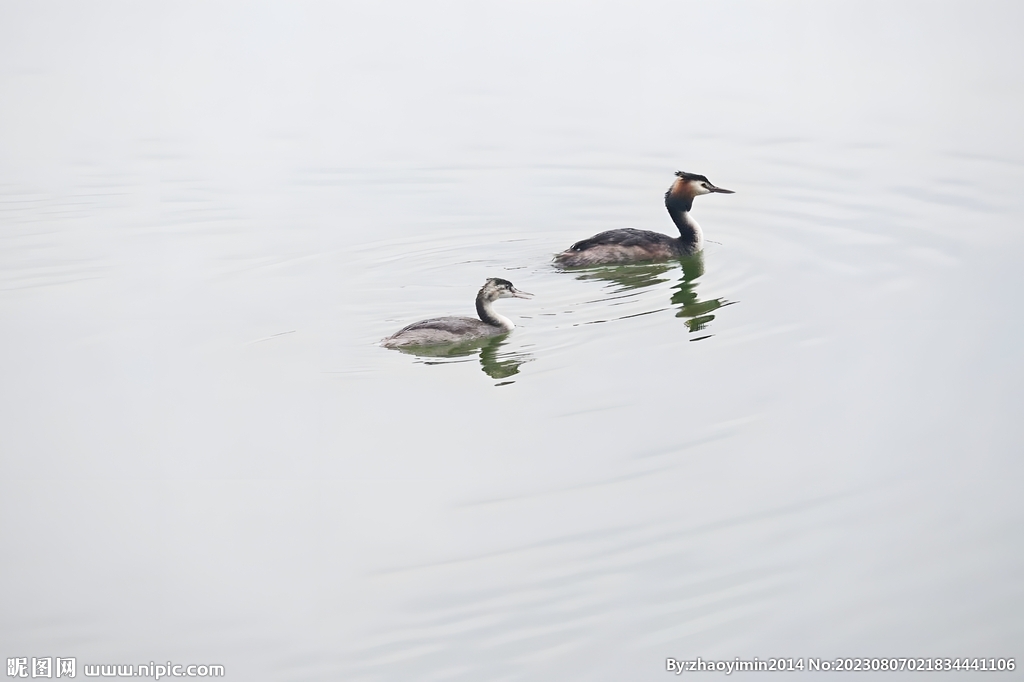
(42, 667)
(17, 667)
(65, 667)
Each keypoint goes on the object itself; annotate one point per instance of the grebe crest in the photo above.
(451, 330)
(630, 245)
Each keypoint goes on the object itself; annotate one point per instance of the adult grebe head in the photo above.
(690, 185)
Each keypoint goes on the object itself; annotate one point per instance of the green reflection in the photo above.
(494, 362)
(694, 311)
(629, 277)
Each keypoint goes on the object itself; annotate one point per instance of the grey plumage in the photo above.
(450, 330)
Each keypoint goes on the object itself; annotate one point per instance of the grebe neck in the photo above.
(689, 231)
(485, 309)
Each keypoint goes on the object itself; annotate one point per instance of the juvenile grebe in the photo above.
(630, 245)
(448, 330)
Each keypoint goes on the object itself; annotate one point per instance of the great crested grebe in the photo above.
(449, 330)
(630, 245)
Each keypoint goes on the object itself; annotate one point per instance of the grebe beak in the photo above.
(520, 294)
(720, 190)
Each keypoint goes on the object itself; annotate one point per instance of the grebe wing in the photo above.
(627, 236)
(455, 325)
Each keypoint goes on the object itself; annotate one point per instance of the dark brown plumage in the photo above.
(629, 245)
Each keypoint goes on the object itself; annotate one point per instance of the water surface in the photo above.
(804, 443)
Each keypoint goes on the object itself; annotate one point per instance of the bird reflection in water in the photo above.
(695, 312)
(494, 362)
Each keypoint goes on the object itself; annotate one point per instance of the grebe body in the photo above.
(630, 245)
(440, 331)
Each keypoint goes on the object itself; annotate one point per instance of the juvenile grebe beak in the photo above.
(516, 293)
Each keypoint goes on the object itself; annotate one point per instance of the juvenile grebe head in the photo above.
(691, 185)
(496, 288)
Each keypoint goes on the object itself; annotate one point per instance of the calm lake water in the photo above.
(805, 444)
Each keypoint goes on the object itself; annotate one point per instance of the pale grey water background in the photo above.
(212, 212)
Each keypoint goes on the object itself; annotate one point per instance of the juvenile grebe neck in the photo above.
(485, 309)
